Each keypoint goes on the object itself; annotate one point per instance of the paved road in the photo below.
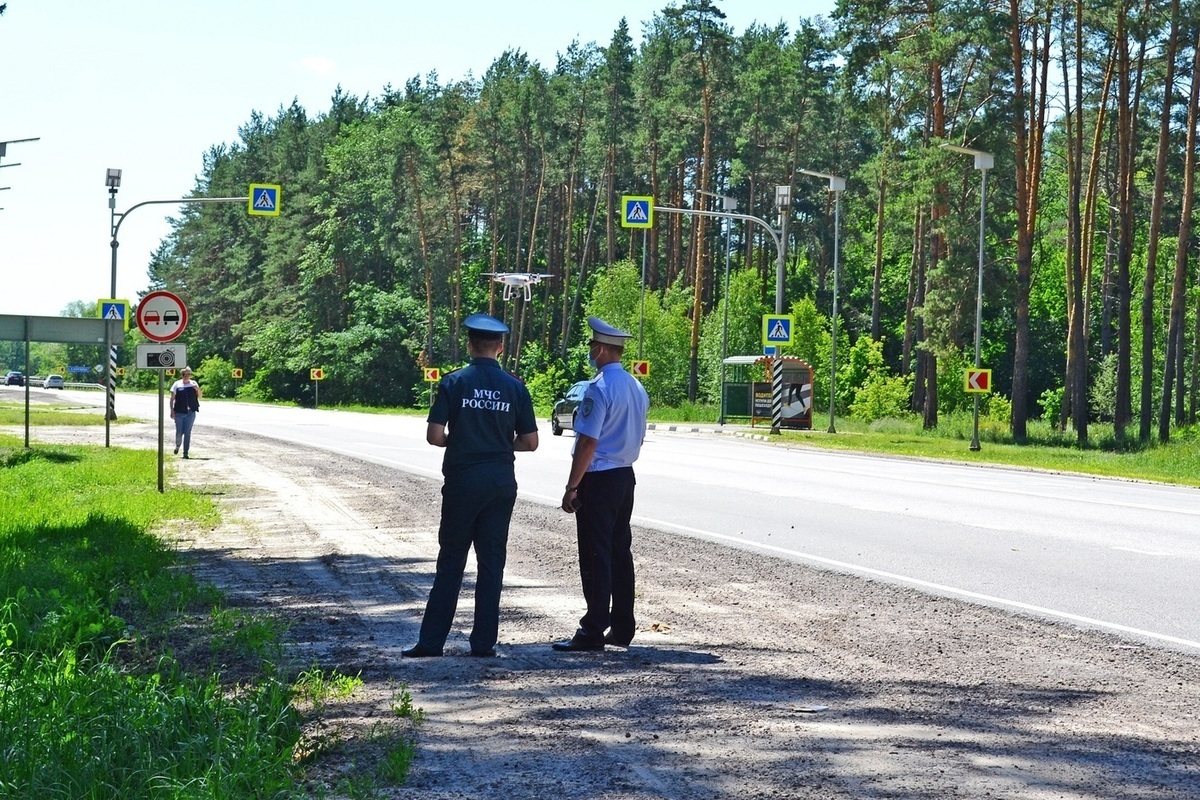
(1117, 555)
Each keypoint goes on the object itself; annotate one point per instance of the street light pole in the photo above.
(728, 204)
(642, 315)
(783, 202)
(837, 185)
(777, 238)
(112, 180)
(983, 162)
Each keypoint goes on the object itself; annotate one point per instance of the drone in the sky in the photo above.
(513, 280)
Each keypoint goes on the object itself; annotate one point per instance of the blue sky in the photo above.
(147, 86)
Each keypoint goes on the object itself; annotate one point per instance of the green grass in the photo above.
(120, 675)
(688, 412)
(1046, 448)
(14, 414)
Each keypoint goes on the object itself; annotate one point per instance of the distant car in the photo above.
(563, 417)
(54, 382)
(14, 379)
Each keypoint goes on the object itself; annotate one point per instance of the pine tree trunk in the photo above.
(1156, 206)
(1129, 93)
(1077, 367)
(1173, 365)
(918, 253)
(701, 253)
(880, 209)
(1029, 127)
(423, 237)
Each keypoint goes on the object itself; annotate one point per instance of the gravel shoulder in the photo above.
(750, 677)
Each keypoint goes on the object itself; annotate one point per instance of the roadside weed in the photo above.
(253, 636)
(120, 675)
(398, 753)
(402, 705)
(316, 686)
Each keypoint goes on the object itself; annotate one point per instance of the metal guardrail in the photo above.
(37, 383)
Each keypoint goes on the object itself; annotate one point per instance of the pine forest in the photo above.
(397, 209)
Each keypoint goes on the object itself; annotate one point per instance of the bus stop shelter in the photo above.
(746, 391)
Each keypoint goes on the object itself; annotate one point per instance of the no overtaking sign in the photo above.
(161, 316)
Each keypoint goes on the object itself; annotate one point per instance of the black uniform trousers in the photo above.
(477, 505)
(605, 557)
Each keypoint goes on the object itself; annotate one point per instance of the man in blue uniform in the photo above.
(481, 415)
(609, 429)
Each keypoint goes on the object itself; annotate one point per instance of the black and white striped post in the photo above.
(777, 394)
(112, 381)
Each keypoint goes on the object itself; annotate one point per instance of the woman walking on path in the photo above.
(185, 404)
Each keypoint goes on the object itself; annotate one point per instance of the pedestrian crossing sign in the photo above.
(637, 211)
(777, 329)
(264, 200)
(110, 309)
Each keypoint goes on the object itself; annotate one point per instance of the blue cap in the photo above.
(606, 334)
(485, 327)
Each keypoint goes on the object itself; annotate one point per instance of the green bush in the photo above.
(997, 407)
(1051, 402)
(215, 376)
(952, 395)
(882, 396)
(1102, 396)
(546, 386)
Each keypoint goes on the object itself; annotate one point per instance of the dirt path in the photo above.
(750, 677)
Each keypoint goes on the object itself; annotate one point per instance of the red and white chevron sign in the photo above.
(977, 380)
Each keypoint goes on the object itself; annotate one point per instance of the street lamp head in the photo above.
(4, 145)
(783, 196)
(836, 183)
(113, 179)
(727, 203)
(983, 159)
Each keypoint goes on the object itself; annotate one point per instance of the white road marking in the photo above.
(937, 587)
(1144, 552)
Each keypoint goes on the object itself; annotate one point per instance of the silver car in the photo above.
(53, 382)
(563, 417)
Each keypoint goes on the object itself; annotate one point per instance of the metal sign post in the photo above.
(316, 375)
(160, 431)
(160, 358)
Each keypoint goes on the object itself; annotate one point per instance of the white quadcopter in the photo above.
(512, 280)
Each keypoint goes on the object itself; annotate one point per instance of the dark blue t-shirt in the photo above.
(485, 408)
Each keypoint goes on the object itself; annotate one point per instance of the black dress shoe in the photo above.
(416, 651)
(608, 639)
(578, 645)
(489, 653)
